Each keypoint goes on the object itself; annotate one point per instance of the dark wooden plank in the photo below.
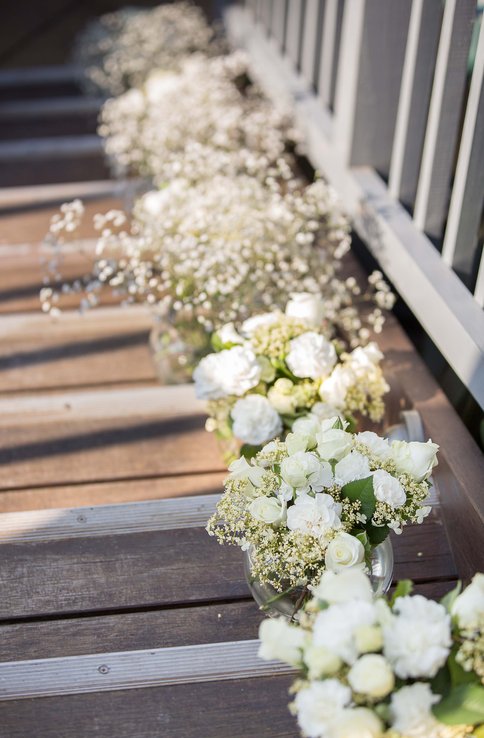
(100, 348)
(69, 116)
(110, 493)
(39, 82)
(214, 623)
(213, 710)
(162, 568)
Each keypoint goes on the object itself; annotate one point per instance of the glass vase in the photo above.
(288, 604)
(176, 347)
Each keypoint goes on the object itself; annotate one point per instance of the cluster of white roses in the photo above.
(118, 50)
(321, 499)
(152, 130)
(374, 668)
(283, 366)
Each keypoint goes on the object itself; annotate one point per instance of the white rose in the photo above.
(344, 551)
(334, 443)
(279, 640)
(415, 458)
(369, 638)
(351, 468)
(334, 628)
(250, 325)
(411, 710)
(346, 585)
(311, 355)
(303, 470)
(308, 426)
(254, 420)
(228, 334)
(268, 510)
(378, 446)
(365, 357)
(323, 411)
(281, 397)
(371, 675)
(334, 388)
(159, 84)
(320, 705)
(388, 489)
(321, 662)
(306, 307)
(317, 516)
(241, 469)
(231, 372)
(357, 722)
(417, 640)
(468, 607)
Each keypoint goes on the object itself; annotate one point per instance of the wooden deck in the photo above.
(119, 616)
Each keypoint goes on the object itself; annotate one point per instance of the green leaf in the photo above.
(377, 535)
(338, 424)
(403, 588)
(441, 683)
(457, 673)
(464, 705)
(362, 489)
(217, 344)
(478, 733)
(249, 451)
(448, 600)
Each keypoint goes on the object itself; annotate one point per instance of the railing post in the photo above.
(311, 40)
(330, 44)
(368, 83)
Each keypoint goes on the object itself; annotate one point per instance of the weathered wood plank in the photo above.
(111, 492)
(104, 346)
(40, 81)
(215, 710)
(58, 116)
(159, 568)
(130, 631)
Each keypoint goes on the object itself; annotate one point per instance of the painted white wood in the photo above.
(418, 71)
(444, 117)
(107, 672)
(266, 14)
(176, 401)
(479, 288)
(310, 41)
(37, 194)
(278, 25)
(331, 34)
(461, 233)
(369, 76)
(58, 147)
(107, 520)
(434, 293)
(293, 30)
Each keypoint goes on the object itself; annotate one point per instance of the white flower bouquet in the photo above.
(285, 366)
(118, 50)
(323, 499)
(202, 119)
(405, 667)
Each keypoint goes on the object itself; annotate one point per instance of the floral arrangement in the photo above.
(321, 500)
(152, 130)
(119, 50)
(211, 255)
(284, 366)
(405, 667)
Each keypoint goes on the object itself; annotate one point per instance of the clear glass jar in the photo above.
(176, 347)
(275, 603)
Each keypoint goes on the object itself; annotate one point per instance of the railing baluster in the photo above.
(479, 288)
(295, 15)
(311, 40)
(444, 117)
(330, 43)
(278, 26)
(461, 235)
(418, 72)
(369, 76)
(266, 15)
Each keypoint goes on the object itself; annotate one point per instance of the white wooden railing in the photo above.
(395, 121)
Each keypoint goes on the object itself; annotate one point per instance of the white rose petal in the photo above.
(254, 420)
(388, 489)
(311, 355)
(241, 469)
(371, 675)
(334, 388)
(351, 468)
(268, 510)
(343, 552)
(411, 710)
(379, 447)
(250, 325)
(468, 607)
(321, 662)
(306, 307)
(346, 585)
(334, 443)
(417, 640)
(303, 469)
(334, 628)
(316, 516)
(357, 722)
(279, 640)
(415, 458)
(228, 334)
(231, 372)
(281, 396)
(320, 705)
